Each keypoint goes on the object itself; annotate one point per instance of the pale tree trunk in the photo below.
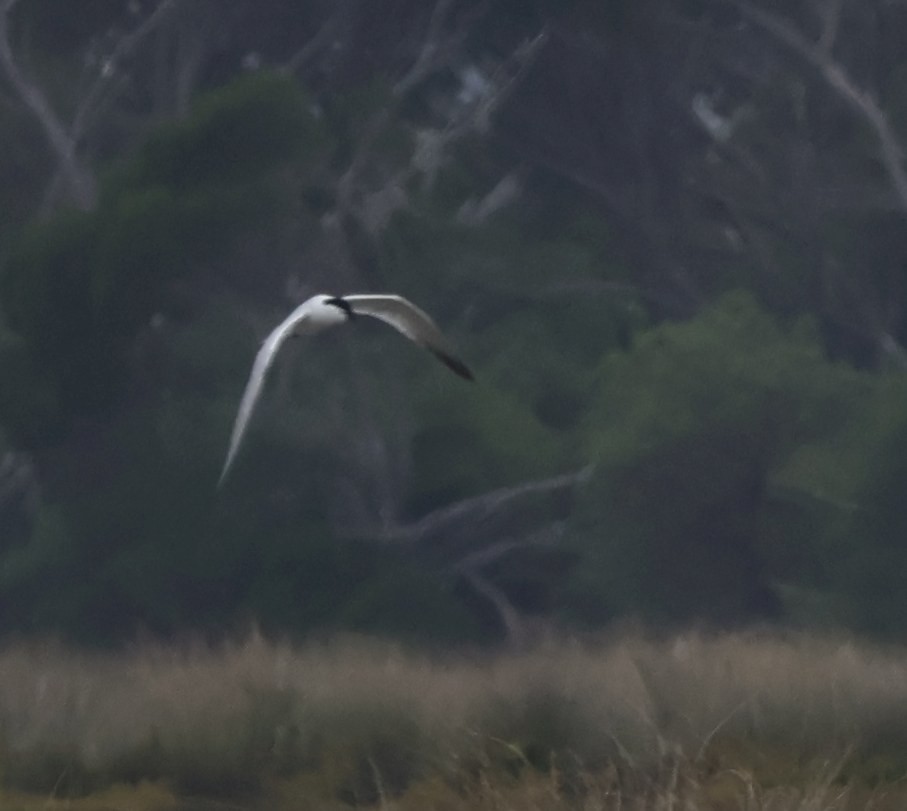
(80, 182)
(864, 106)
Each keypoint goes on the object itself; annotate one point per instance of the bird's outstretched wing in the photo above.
(263, 361)
(415, 324)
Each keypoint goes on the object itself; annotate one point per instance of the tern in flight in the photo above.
(323, 311)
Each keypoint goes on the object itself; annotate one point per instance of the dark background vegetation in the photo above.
(668, 235)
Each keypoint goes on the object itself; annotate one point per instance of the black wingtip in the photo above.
(456, 366)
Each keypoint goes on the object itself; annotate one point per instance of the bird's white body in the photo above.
(314, 315)
(323, 311)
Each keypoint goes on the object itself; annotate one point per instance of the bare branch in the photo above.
(892, 349)
(125, 47)
(319, 40)
(64, 139)
(469, 516)
(547, 536)
(510, 617)
(830, 24)
(433, 56)
(432, 145)
(80, 182)
(431, 50)
(505, 80)
(859, 100)
(437, 50)
(19, 491)
(516, 626)
(480, 509)
(476, 212)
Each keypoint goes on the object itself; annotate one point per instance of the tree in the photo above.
(735, 146)
(67, 139)
(692, 429)
(573, 188)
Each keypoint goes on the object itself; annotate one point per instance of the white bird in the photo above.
(323, 311)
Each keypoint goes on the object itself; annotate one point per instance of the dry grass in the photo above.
(747, 722)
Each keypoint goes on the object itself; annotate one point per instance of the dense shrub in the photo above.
(694, 430)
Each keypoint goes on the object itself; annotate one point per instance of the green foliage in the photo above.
(22, 164)
(689, 429)
(538, 342)
(49, 557)
(732, 364)
(29, 400)
(411, 602)
(510, 442)
(77, 289)
(233, 136)
(863, 557)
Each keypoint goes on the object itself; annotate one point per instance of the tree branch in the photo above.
(80, 182)
(379, 204)
(472, 515)
(19, 488)
(547, 536)
(430, 53)
(319, 40)
(510, 617)
(837, 78)
(64, 140)
(830, 24)
(125, 47)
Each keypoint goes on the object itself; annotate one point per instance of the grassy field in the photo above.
(745, 722)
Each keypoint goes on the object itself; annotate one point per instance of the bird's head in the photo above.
(341, 304)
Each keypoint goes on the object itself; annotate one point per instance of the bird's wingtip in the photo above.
(223, 475)
(455, 365)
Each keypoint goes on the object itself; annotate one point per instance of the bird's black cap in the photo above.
(343, 304)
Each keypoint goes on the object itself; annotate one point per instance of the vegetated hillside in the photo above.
(754, 721)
